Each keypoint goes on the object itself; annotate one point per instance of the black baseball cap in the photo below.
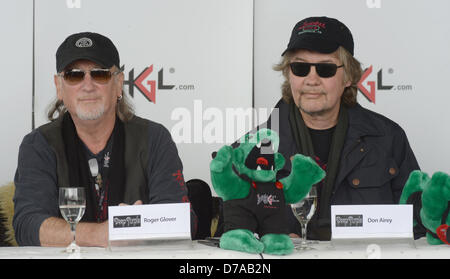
(89, 46)
(321, 34)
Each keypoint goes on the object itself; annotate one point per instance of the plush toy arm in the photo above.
(435, 200)
(412, 194)
(227, 184)
(304, 173)
(415, 183)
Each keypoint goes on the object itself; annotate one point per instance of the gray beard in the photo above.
(92, 114)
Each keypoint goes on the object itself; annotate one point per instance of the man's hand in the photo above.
(138, 202)
(56, 232)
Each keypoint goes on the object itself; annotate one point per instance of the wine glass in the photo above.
(72, 204)
(303, 211)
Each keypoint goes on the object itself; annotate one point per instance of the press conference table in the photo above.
(195, 250)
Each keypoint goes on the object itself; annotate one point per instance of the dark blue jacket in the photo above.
(375, 162)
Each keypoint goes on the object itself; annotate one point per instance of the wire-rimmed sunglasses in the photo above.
(74, 76)
(324, 70)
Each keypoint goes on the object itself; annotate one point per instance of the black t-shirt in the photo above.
(321, 140)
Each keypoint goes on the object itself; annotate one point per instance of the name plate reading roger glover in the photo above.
(150, 221)
(371, 221)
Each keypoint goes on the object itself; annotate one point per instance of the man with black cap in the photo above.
(366, 156)
(94, 141)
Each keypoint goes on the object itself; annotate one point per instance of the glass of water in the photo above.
(72, 204)
(303, 211)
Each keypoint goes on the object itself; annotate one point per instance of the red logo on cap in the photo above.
(314, 23)
(311, 27)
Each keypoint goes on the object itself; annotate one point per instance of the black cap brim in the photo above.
(72, 59)
(313, 43)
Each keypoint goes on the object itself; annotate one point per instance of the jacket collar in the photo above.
(360, 124)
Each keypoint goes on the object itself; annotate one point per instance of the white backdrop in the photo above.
(218, 56)
(16, 76)
(408, 40)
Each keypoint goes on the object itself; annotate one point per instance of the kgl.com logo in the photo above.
(369, 88)
(148, 83)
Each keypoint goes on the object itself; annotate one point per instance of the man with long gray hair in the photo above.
(94, 141)
(366, 156)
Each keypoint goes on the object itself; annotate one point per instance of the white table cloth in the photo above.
(195, 250)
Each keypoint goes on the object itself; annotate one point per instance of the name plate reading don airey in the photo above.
(371, 221)
(150, 221)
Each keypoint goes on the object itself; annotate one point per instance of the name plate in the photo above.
(372, 221)
(150, 221)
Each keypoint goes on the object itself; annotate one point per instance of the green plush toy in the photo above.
(254, 201)
(435, 196)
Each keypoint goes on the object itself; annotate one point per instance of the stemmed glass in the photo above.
(72, 204)
(303, 211)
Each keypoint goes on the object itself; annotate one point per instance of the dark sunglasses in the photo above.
(74, 76)
(324, 70)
